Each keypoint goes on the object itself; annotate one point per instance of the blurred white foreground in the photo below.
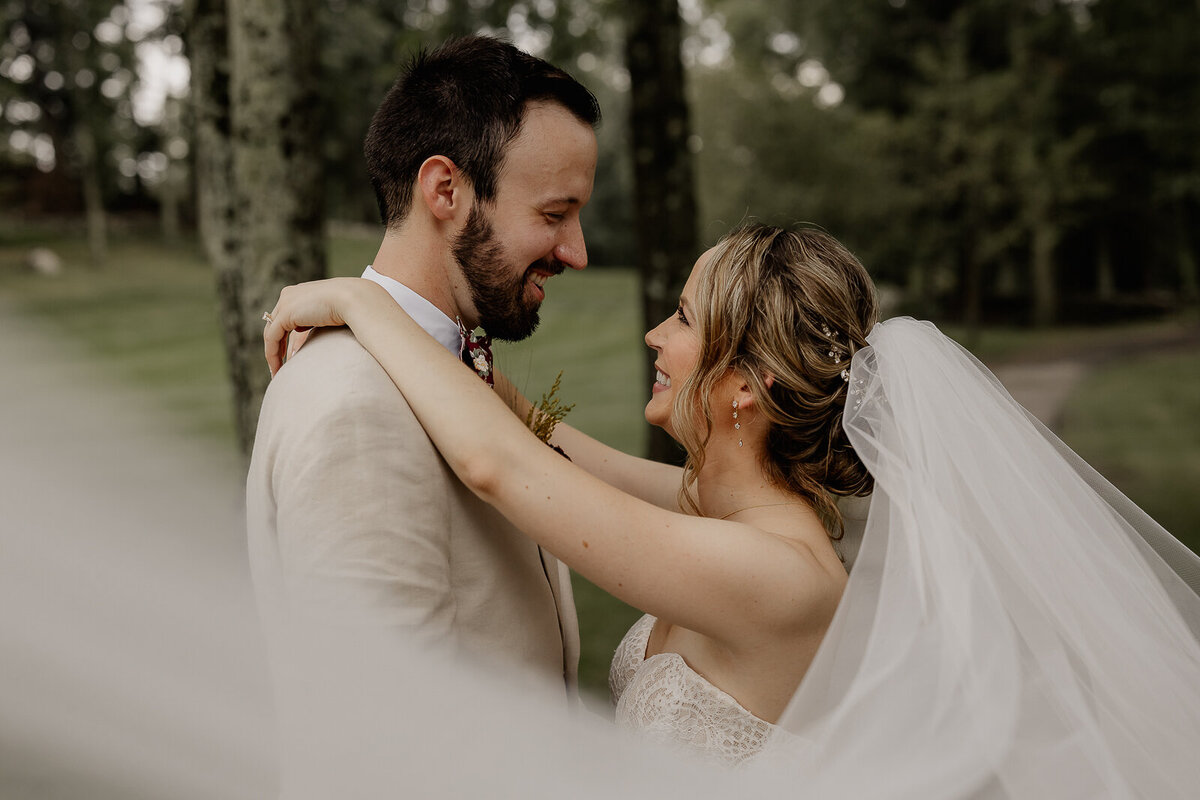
(131, 664)
(131, 661)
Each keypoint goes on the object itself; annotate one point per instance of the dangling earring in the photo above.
(737, 426)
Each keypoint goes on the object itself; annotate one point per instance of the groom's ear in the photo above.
(442, 187)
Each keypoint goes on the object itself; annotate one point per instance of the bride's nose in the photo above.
(654, 336)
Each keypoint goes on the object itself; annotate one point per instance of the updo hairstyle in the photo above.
(764, 303)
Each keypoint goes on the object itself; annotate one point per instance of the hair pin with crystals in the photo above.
(836, 351)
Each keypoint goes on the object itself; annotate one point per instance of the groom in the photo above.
(481, 157)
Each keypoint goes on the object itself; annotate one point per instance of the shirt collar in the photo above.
(423, 312)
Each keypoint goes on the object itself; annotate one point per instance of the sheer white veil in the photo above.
(1013, 626)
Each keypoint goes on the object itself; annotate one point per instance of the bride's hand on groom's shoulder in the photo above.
(316, 304)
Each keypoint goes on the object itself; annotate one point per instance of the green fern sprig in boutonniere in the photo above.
(543, 417)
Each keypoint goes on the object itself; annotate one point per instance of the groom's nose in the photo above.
(571, 248)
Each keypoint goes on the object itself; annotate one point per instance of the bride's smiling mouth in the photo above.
(662, 381)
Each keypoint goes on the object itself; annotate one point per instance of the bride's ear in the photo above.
(745, 397)
(442, 188)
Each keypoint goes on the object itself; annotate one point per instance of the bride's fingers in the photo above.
(296, 341)
(300, 308)
(274, 341)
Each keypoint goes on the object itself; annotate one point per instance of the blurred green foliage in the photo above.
(999, 161)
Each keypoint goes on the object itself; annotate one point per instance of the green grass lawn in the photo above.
(150, 316)
(1138, 424)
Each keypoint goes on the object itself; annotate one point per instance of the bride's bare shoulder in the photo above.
(795, 579)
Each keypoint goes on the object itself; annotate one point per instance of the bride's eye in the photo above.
(682, 318)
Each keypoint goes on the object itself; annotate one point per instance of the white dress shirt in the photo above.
(423, 312)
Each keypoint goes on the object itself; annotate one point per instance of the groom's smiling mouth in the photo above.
(537, 277)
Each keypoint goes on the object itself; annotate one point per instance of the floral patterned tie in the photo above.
(476, 352)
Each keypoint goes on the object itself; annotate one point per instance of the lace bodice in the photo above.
(662, 698)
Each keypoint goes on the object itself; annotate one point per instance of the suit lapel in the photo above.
(559, 578)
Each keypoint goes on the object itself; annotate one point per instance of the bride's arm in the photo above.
(720, 578)
(652, 481)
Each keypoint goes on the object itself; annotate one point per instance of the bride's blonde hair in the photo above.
(777, 302)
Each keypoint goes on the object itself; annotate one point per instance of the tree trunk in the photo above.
(169, 200)
(277, 163)
(1189, 269)
(80, 132)
(1038, 172)
(1106, 276)
(1045, 279)
(258, 170)
(918, 287)
(208, 55)
(93, 196)
(174, 187)
(972, 277)
(665, 200)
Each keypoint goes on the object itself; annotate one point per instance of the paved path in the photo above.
(130, 659)
(1043, 381)
(1043, 388)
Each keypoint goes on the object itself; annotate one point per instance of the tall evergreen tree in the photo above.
(664, 194)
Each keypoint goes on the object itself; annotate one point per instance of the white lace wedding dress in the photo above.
(665, 700)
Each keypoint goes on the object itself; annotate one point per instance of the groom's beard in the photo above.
(500, 298)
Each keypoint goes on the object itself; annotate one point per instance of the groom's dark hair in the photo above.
(464, 100)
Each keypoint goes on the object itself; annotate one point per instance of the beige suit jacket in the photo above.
(354, 518)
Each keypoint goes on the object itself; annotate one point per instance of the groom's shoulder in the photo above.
(327, 350)
(331, 374)
(330, 354)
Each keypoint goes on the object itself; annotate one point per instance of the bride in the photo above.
(1012, 626)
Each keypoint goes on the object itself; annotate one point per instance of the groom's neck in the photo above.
(422, 261)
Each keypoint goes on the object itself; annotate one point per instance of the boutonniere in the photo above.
(543, 417)
(475, 350)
